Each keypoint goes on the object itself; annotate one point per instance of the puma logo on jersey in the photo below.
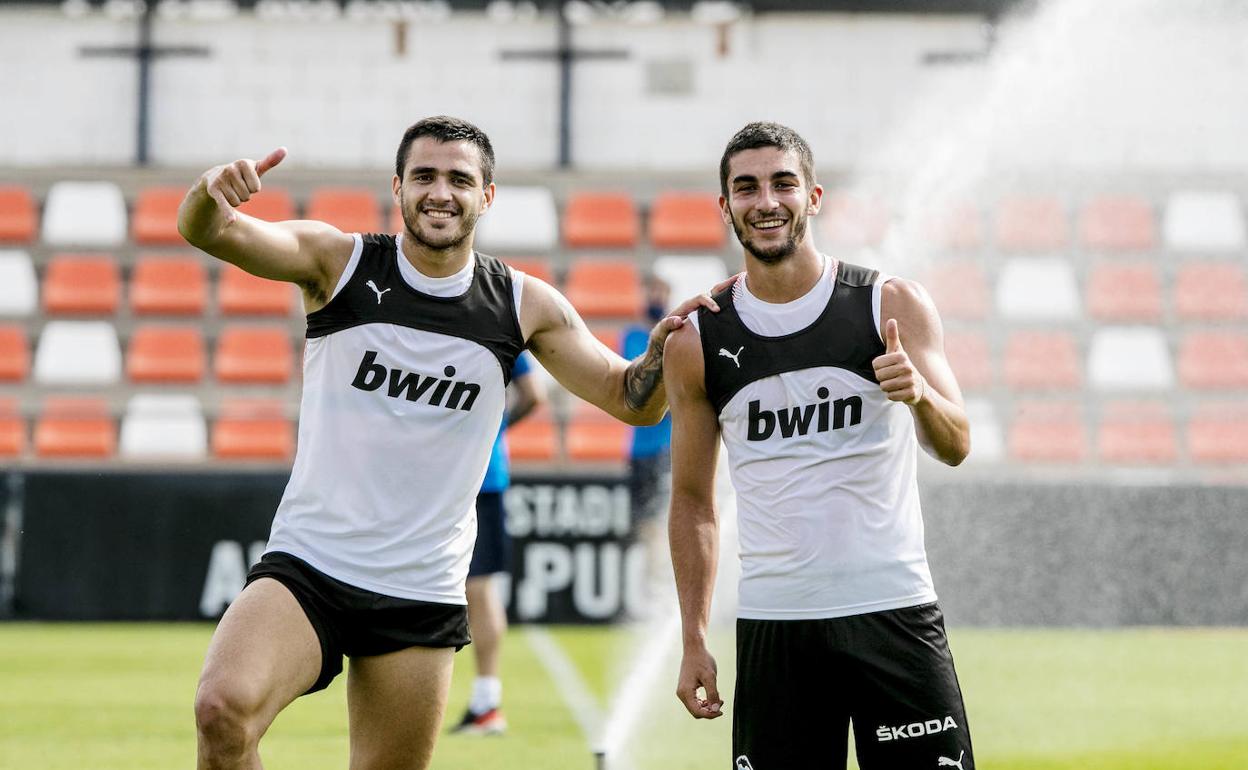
(918, 730)
(376, 291)
(743, 762)
(798, 420)
(724, 352)
(947, 762)
(414, 386)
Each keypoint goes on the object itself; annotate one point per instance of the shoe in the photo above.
(491, 722)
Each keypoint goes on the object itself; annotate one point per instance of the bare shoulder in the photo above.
(682, 356)
(543, 308)
(905, 293)
(909, 302)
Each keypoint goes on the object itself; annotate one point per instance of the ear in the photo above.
(725, 213)
(489, 197)
(816, 200)
(395, 186)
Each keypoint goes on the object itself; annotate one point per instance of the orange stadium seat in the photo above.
(536, 267)
(254, 354)
(18, 221)
(253, 429)
(535, 438)
(14, 353)
(604, 288)
(594, 436)
(82, 284)
(853, 220)
(686, 220)
(1124, 291)
(1048, 432)
(600, 220)
(168, 286)
(272, 204)
(1211, 291)
(960, 290)
(75, 427)
(1118, 224)
(969, 358)
(1218, 433)
(1037, 360)
(1032, 224)
(155, 218)
(1137, 432)
(166, 354)
(350, 209)
(241, 293)
(12, 429)
(1211, 360)
(955, 226)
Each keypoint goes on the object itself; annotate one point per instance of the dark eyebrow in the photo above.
(744, 178)
(453, 173)
(782, 174)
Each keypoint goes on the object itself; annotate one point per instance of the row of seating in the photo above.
(94, 214)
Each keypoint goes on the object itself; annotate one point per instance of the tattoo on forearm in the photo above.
(643, 377)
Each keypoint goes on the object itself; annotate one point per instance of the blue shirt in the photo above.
(498, 473)
(648, 440)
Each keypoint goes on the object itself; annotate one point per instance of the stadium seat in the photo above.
(853, 220)
(1130, 358)
(168, 286)
(959, 290)
(1203, 221)
(78, 353)
(253, 429)
(1218, 433)
(19, 287)
(987, 438)
(82, 284)
(1037, 289)
(1042, 360)
(254, 354)
(241, 293)
(1048, 432)
(272, 204)
(1133, 432)
(1124, 291)
(14, 353)
(970, 359)
(163, 427)
(536, 267)
(686, 220)
(1211, 291)
(954, 226)
(12, 429)
(91, 214)
(155, 220)
(17, 214)
(594, 436)
(600, 220)
(1118, 224)
(688, 276)
(522, 220)
(170, 354)
(535, 438)
(1031, 224)
(75, 427)
(604, 288)
(350, 209)
(1213, 360)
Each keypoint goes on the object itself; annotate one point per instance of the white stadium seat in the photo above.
(521, 221)
(1038, 289)
(78, 353)
(1131, 358)
(164, 427)
(89, 214)
(987, 436)
(19, 288)
(689, 276)
(1204, 221)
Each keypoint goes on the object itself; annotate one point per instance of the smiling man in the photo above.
(805, 377)
(411, 340)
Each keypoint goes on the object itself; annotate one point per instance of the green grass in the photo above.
(79, 696)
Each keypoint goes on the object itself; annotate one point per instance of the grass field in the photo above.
(98, 697)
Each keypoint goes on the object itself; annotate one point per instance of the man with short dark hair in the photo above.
(805, 376)
(410, 343)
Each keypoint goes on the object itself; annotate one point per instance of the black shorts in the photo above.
(492, 553)
(649, 485)
(801, 682)
(351, 621)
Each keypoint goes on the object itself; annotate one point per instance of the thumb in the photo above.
(270, 160)
(892, 337)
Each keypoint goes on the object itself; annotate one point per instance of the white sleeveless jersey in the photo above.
(822, 462)
(403, 395)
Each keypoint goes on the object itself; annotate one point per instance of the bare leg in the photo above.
(487, 621)
(263, 655)
(396, 703)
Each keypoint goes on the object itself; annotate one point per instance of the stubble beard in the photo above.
(442, 241)
(775, 254)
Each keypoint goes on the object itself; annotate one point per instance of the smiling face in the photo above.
(768, 203)
(441, 193)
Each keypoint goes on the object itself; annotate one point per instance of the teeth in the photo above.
(440, 214)
(767, 224)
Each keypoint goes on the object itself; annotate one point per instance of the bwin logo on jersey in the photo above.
(797, 421)
(915, 729)
(413, 386)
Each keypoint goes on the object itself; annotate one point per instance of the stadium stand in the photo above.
(1218, 433)
(535, 438)
(1124, 291)
(84, 214)
(970, 358)
(1118, 224)
(853, 220)
(155, 219)
(1048, 432)
(253, 354)
(1032, 224)
(166, 354)
(75, 427)
(604, 288)
(18, 218)
(78, 353)
(954, 226)
(82, 284)
(1038, 289)
(1214, 360)
(959, 289)
(350, 209)
(163, 427)
(272, 204)
(1042, 360)
(1136, 432)
(1203, 222)
(594, 436)
(12, 429)
(987, 437)
(19, 286)
(522, 220)
(253, 429)
(535, 266)
(240, 293)
(168, 285)
(687, 276)
(14, 353)
(686, 220)
(1211, 291)
(600, 220)
(1129, 358)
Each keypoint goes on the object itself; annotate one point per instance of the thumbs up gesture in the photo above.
(895, 371)
(233, 183)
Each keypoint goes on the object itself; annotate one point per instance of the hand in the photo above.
(697, 669)
(232, 184)
(895, 371)
(676, 318)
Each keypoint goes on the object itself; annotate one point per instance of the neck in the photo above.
(436, 263)
(786, 280)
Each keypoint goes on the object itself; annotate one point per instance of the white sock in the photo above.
(487, 693)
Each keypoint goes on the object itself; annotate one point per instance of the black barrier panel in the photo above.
(139, 546)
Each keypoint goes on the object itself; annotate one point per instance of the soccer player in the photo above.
(821, 377)
(410, 343)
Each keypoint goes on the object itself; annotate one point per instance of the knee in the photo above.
(226, 720)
